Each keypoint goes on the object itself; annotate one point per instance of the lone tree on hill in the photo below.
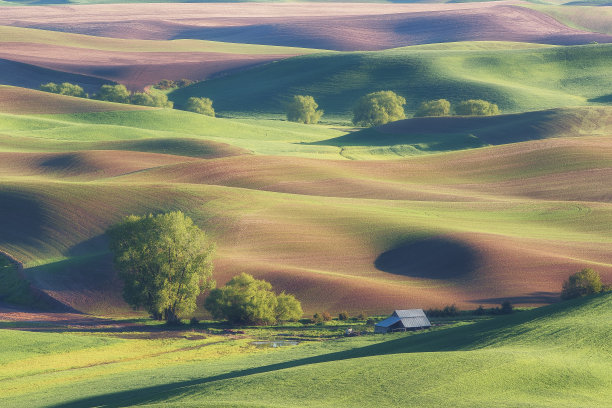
(200, 105)
(246, 300)
(164, 260)
(378, 108)
(583, 283)
(476, 107)
(438, 107)
(303, 109)
(113, 93)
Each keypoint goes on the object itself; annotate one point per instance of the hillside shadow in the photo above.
(431, 258)
(602, 99)
(542, 298)
(21, 219)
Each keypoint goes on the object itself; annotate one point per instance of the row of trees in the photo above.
(165, 262)
(111, 93)
(378, 108)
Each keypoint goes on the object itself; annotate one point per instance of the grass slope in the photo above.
(556, 356)
(517, 80)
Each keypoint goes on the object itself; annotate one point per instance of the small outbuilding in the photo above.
(403, 320)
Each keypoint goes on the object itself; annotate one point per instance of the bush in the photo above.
(114, 93)
(378, 108)
(303, 109)
(343, 316)
(202, 106)
(246, 300)
(438, 107)
(321, 317)
(165, 84)
(476, 107)
(480, 311)
(583, 283)
(506, 307)
(65, 88)
(362, 316)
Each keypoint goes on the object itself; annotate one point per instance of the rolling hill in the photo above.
(517, 80)
(322, 229)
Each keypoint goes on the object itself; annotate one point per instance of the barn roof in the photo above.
(408, 318)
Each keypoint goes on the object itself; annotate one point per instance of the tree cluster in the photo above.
(120, 94)
(246, 300)
(65, 88)
(471, 107)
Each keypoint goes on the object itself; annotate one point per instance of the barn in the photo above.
(402, 320)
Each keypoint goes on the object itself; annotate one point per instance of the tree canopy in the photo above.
(378, 108)
(303, 109)
(476, 107)
(164, 260)
(202, 106)
(585, 282)
(157, 99)
(246, 300)
(437, 107)
(114, 93)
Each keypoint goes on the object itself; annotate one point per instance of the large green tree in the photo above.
(303, 109)
(246, 300)
(114, 93)
(378, 108)
(164, 260)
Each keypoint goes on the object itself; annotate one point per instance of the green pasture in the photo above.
(517, 79)
(555, 356)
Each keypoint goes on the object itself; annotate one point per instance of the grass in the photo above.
(556, 356)
(516, 79)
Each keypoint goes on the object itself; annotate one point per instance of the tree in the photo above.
(49, 87)
(343, 316)
(438, 107)
(157, 99)
(378, 108)
(303, 109)
(114, 93)
(200, 105)
(246, 300)
(583, 283)
(164, 260)
(476, 107)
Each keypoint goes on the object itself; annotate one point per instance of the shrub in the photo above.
(114, 93)
(321, 317)
(303, 109)
(378, 108)
(362, 316)
(438, 107)
(447, 311)
(49, 87)
(480, 310)
(343, 316)
(246, 300)
(202, 106)
(182, 83)
(165, 84)
(583, 283)
(476, 107)
(506, 307)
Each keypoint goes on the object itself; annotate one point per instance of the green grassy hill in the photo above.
(556, 356)
(516, 79)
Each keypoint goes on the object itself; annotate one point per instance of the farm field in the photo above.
(421, 212)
